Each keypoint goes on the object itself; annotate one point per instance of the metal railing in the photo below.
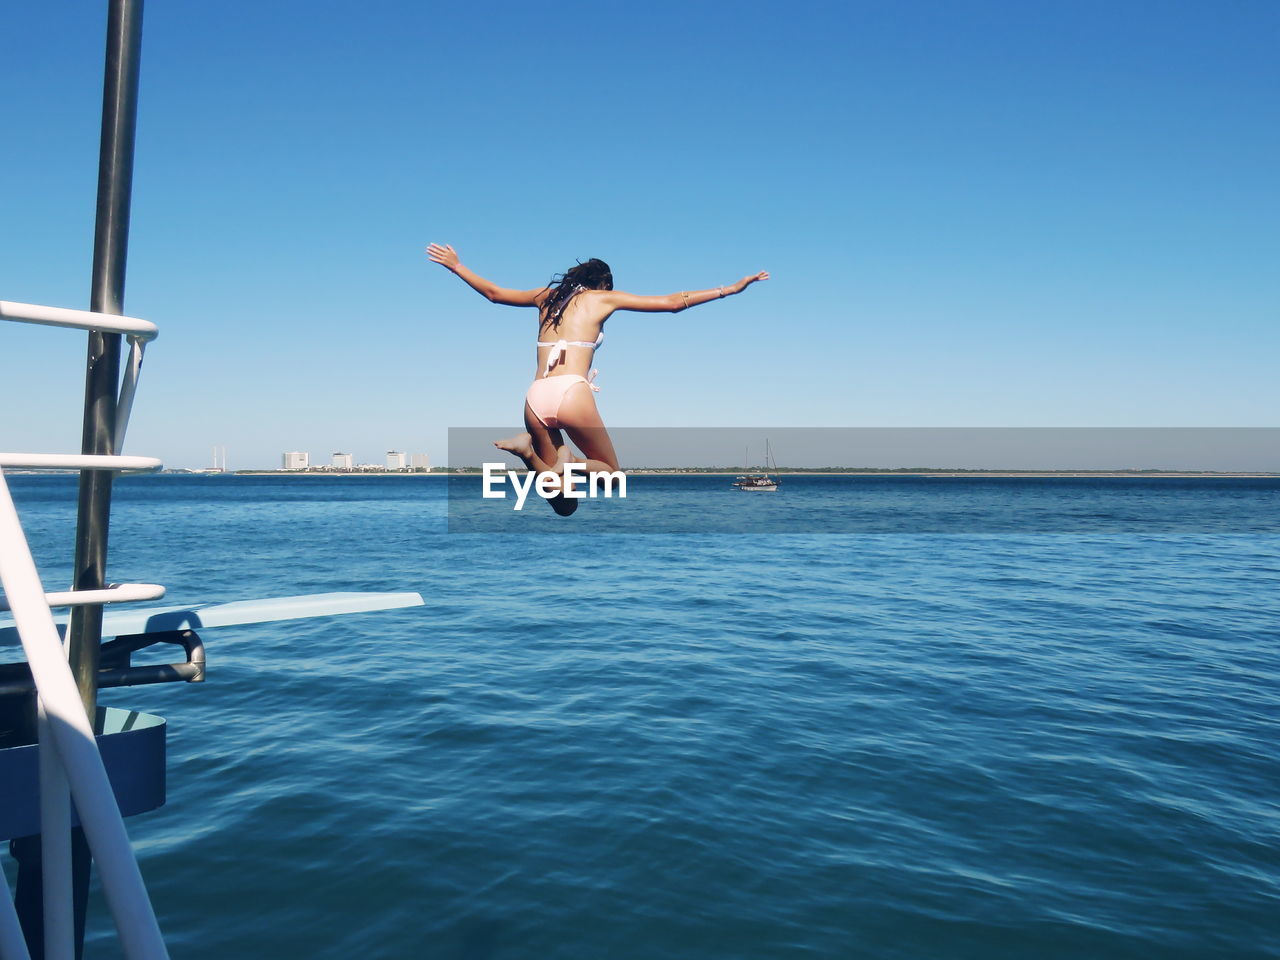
(139, 332)
(77, 461)
(143, 330)
(64, 678)
(71, 765)
(69, 755)
(113, 593)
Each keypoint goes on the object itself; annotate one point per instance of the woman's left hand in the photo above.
(445, 255)
(748, 281)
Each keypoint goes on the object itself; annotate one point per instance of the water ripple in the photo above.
(703, 747)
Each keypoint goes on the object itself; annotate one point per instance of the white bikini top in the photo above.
(559, 349)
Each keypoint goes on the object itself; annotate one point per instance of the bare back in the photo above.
(582, 320)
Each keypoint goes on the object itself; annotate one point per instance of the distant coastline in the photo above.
(918, 472)
(826, 472)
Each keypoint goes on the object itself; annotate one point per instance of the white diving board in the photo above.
(203, 616)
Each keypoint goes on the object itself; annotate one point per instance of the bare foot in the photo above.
(563, 505)
(521, 445)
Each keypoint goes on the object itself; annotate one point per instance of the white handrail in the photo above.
(116, 593)
(55, 848)
(77, 319)
(76, 461)
(139, 332)
(74, 740)
(128, 387)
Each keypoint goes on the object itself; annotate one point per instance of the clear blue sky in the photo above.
(1014, 213)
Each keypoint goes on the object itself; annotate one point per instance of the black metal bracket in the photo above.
(116, 668)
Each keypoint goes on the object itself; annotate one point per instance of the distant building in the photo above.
(342, 461)
(396, 460)
(295, 461)
(420, 461)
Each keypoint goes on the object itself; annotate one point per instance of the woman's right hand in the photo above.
(445, 255)
(748, 281)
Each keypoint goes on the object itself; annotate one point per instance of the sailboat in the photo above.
(759, 482)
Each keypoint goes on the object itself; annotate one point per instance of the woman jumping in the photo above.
(572, 311)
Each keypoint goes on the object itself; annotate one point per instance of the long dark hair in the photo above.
(593, 274)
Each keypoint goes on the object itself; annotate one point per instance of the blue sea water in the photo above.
(908, 745)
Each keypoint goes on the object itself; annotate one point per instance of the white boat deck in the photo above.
(204, 616)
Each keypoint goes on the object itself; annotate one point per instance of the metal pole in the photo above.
(110, 250)
(102, 374)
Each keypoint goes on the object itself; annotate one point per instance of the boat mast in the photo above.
(102, 374)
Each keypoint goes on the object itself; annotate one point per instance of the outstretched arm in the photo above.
(447, 257)
(675, 302)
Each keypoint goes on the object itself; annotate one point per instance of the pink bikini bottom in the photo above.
(546, 395)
